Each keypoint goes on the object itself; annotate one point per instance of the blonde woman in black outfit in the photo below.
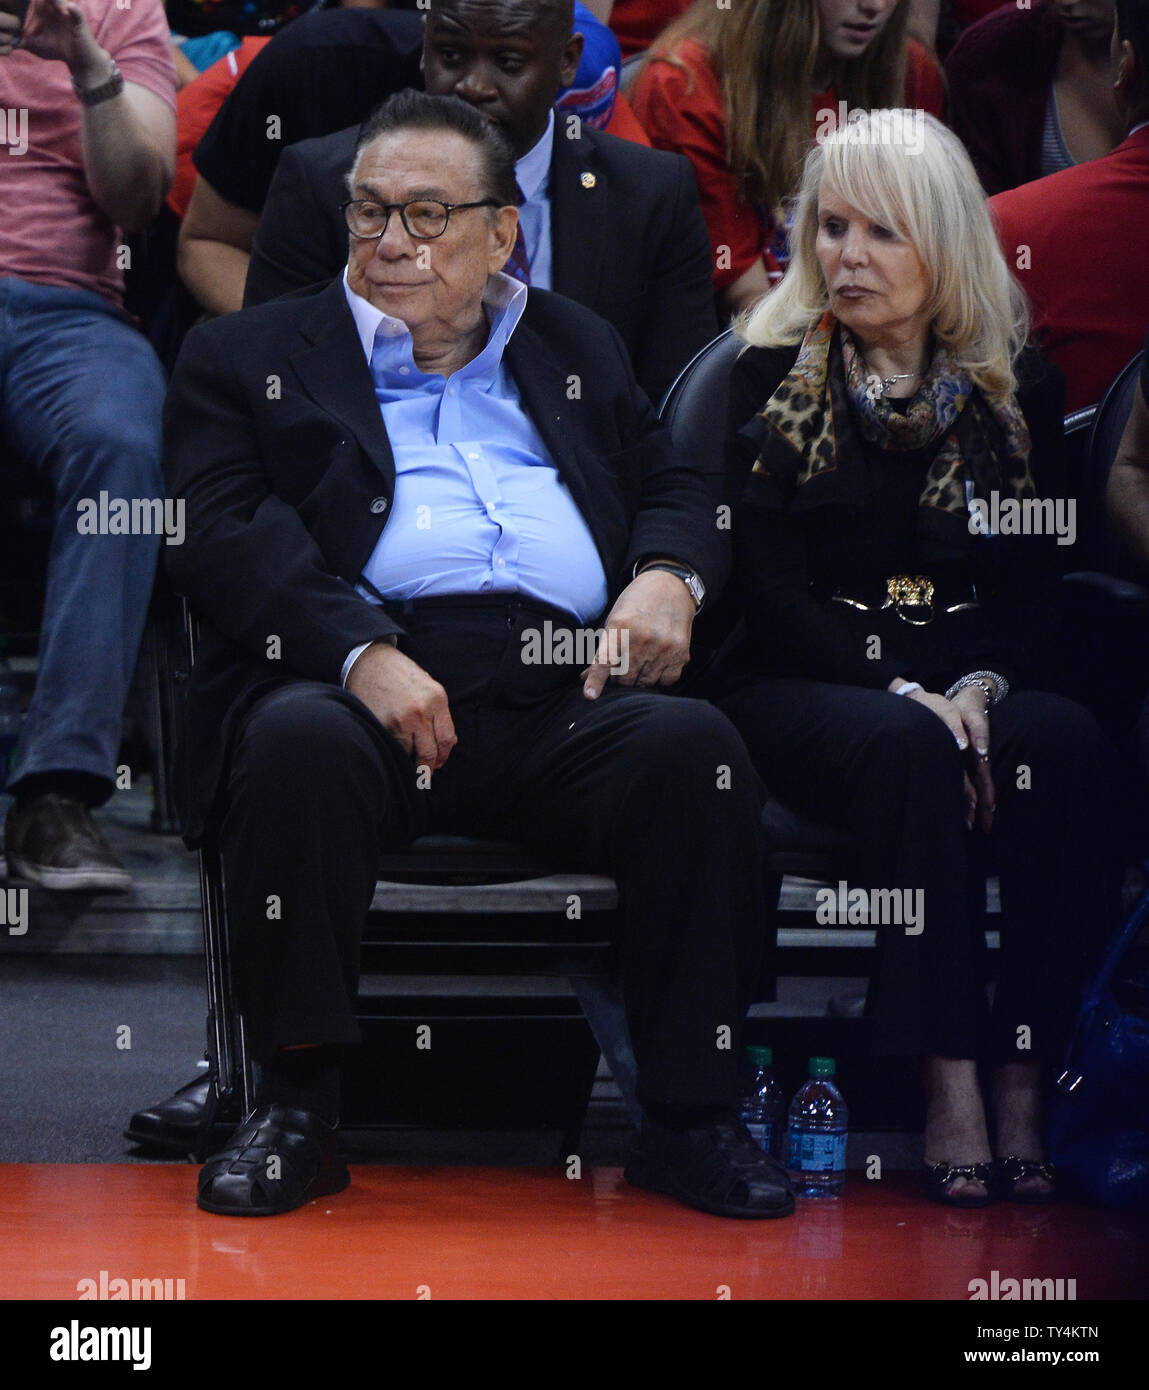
(889, 419)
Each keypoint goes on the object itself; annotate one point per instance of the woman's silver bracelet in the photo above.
(994, 694)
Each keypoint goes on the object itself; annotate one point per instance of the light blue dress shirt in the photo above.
(533, 175)
(479, 506)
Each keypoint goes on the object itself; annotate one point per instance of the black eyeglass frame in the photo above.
(401, 208)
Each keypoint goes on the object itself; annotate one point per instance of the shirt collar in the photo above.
(532, 170)
(504, 300)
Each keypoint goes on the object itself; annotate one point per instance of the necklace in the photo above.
(888, 381)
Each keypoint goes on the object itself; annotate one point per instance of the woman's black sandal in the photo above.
(1011, 1171)
(936, 1177)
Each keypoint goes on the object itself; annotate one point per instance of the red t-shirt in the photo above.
(198, 103)
(637, 23)
(51, 230)
(624, 123)
(1083, 263)
(684, 111)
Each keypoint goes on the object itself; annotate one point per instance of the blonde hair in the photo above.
(926, 191)
(764, 52)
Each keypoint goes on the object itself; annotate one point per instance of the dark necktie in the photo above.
(518, 263)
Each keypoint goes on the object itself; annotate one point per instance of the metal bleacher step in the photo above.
(803, 940)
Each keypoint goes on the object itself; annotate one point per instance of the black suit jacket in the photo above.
(275, 441)
(632, 246)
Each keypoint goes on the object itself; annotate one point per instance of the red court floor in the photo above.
(529, 1233)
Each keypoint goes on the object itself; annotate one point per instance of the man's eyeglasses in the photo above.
(424, 218)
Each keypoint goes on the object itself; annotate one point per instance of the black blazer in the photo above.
(633, 246)
(275, 441)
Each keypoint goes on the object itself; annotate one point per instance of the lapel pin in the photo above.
(587, 179)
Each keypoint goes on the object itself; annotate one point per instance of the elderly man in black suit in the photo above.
(392, 487)
(607, 222)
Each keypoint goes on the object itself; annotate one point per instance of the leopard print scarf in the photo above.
(806, 430)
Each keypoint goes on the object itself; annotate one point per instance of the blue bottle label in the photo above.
(762, 1134)
(816, 1153)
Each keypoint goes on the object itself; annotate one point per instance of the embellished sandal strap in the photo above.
(944, 1173)
(1014, 1169)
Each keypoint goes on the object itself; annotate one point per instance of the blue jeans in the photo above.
(81, 395)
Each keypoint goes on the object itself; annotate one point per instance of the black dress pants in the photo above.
(656, 790)
(890, 771)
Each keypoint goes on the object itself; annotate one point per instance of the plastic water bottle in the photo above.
(11, 712)
(819, 1120)
(761, 1103)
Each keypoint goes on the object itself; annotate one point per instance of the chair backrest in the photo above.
(1101, 449)
(695, 406)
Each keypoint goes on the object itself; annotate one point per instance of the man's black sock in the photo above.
(305, 1078)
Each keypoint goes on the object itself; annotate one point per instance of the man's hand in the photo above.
(404, 699)
(128, 140)
(11, 24)
(56, 29)
(653, 616)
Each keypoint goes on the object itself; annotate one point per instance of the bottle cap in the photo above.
(822, 1066)
(760, 1056)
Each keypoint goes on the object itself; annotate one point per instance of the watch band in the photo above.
(688, 577)
(111, 87)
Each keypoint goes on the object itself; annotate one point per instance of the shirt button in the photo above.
(502, 564)
(379, 505)
(450, 390)
(472, 456)
(490, 507)
(404, 371)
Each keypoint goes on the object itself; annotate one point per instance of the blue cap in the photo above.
(591, 96)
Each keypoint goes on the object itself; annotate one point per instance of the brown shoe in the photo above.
(53, 841)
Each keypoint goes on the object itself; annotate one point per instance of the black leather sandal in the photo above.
(1011, 1170)
(936, 1178)
(277, 1160)
(190, 1122)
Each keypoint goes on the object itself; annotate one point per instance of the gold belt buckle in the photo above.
(906, 591)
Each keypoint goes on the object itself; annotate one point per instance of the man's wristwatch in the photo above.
(688, 577)
(111, 87)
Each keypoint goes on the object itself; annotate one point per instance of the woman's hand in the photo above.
(966, 718)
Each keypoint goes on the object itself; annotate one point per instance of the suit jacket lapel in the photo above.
(579, 216)
(333, 371)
